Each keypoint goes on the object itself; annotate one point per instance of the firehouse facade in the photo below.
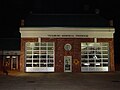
(67, 49)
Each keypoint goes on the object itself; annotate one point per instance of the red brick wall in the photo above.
(60, 52)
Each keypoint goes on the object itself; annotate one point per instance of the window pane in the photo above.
(50, 44)
(43, 48)
(43, 44)
(36, 44)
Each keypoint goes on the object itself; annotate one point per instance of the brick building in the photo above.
(66, 43)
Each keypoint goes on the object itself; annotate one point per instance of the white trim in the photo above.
(66, 28)
(95, 40)
(39, 39)
(66, 32)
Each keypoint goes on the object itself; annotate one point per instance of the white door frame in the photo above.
(68, 62)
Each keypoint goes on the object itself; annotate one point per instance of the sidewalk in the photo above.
(11, 73)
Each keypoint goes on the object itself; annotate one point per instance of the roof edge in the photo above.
(66, 28)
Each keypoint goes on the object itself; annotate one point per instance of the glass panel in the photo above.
(50, 60)
(50, 48)
(36, 65)
(83, 52)
(43, 56)
(85, 56)
(94, 55)
(85, 64)
(29, 61)
(92, 60)
(97, 44)
(35, 56)
(36, 61)
(14, 63)
(29, 56)
(43, 52)
(43, 44)
(105, 60)
(43, 65)
(98, 56)
(43, 48)
(28, 65)
(29, 48)
(50, 52)
(104, 48)
(35, 52)
(84, 44)
(50, 65)
(50, 44)
(39, 55)
(36, 44)
(99, 60)
(92, 65)
(68, 63)
(43, 61)
(84, 48)
(36, 48)
(105, 56)
(98, 65)
(84, 61)
(104, 44)
(105, 52)
(105, 65)
(28, 44)
(50, 56)
(29, 52)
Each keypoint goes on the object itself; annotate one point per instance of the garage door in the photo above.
(39, 57)
(94, 57)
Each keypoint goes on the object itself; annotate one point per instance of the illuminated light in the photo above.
(97, 64)
(86, 64)
(13, 56)
(7, 56)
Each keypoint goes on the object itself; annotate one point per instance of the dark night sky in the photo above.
(17, 8)
(22, 7)
(12, 11)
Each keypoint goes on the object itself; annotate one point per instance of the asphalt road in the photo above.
(60, 81)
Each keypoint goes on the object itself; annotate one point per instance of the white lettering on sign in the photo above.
(67, 36)
(81, 35)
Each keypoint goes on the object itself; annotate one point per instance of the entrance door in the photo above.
(67, 63)
(14, 62)
(6, 62)
(10, 62)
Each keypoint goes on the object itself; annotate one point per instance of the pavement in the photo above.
(60, 81)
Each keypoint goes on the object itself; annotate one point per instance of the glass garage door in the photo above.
(94, 57)
(39, 57)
